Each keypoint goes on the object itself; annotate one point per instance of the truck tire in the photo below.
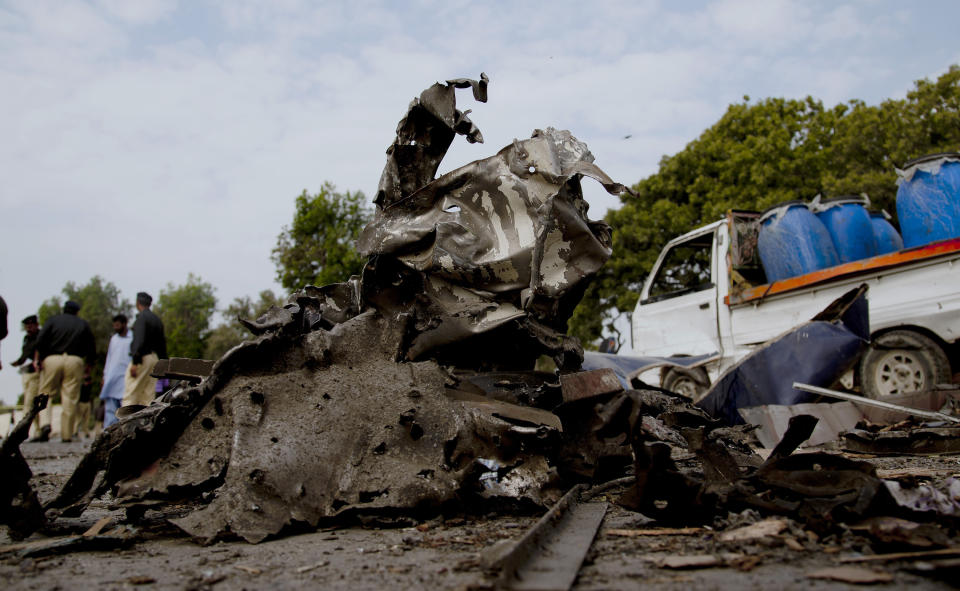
(902, 361)
(689, 382)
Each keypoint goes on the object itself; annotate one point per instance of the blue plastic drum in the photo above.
(849, 225)
(793, 242)
(928, 200)
(885, 236)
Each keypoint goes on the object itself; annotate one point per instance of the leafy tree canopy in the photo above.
(762, 153)
(186, 311)
(318, 248)
(231, 333)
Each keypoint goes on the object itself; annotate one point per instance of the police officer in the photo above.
(30, 378)
(149, 345)
(65, 350)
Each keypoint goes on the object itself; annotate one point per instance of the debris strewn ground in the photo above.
(445, 552)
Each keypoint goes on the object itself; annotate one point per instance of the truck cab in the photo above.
(707, 294)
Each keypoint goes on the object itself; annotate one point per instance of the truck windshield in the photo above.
(685, 269)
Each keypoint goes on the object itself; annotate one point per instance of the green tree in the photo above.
(762, 153)
(231, 333)
(100, 301)
(319, 247)
(186, 311)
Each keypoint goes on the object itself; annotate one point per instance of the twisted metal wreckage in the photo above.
(412, 387)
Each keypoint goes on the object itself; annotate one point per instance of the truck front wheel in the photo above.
(902, 361)
(692, 383)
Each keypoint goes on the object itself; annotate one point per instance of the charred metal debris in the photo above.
(411, 388)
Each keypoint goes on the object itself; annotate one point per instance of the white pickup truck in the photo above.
(707, 295)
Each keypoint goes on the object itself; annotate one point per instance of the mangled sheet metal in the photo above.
(20, 508)
(817, 352)
(371, 396)
(819, 488)
(498, 250)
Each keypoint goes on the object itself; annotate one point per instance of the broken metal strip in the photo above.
(183, 368)
(937, 416)
(548, 556)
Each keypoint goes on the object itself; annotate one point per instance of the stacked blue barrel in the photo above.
(928, 199)
(848, 223)
(798, 238)
(793, 241)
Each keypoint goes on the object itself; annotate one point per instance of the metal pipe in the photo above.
(927, 414)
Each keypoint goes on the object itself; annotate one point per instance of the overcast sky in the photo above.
(147, 139)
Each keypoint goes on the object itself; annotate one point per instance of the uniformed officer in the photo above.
(149, 346)
(30, 378)
(65, 351)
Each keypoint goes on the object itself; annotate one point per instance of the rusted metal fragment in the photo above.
(919, 441)
(586, 384)
(19, 506)
(549, 554)
(819, 488)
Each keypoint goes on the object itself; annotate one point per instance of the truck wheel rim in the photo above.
(685, 386)
(899, 372)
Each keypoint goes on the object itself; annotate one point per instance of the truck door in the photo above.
(678, 308)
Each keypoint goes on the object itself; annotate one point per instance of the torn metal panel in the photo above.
(773, 419)
(932, 400)
(493, 242)
(817, 352)
(629, 367)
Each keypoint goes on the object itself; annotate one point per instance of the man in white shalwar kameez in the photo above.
(115, 369)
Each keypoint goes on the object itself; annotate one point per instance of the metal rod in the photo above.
(927, 414)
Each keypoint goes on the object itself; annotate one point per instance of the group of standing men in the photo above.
(58, 357)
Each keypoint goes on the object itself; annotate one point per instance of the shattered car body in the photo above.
(363, 396)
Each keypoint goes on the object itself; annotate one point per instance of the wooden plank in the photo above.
(955, 551)
(659, 531)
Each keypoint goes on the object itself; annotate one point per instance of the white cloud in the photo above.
(138, 12)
